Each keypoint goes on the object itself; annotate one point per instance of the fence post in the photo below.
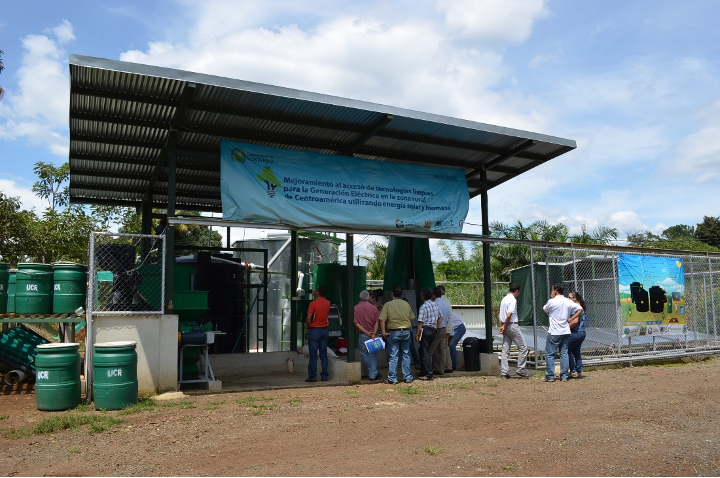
(618, 308)
(534, 307)
(687, 309)
(89, 325)
(712, 298)
(707, 321)
(572, 247)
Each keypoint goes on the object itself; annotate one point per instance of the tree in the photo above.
(2, 67)
(375, 263)
(676, 238)
(708, 231)
(15, 229)
(680, 231)
(50, 186)
(599, 235)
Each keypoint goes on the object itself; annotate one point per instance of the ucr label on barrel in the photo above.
(57, 287)
(42, 375)
(116, 372)
(31, 287)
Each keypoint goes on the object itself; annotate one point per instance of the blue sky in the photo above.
(635, 83)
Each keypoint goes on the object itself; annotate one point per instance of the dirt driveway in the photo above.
(646, 420)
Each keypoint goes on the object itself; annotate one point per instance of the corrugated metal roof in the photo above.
(121, 115)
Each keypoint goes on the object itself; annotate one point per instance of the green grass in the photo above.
(74, 449)
(218, 402)
(67, 421)
(142, 405)
(3, 417)
(509, 467)
(256, 403)
(83, 407)
(462, 386)
(212, 407)
(431, 450)
(409, 391)
(295, 402)
(186, 404)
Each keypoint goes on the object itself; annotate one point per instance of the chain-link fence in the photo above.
(639, 305)
(127, 273)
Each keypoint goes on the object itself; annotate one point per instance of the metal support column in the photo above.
(349, 247)
(293, 290)
(486, 264)
(534, 307)
(170, 230)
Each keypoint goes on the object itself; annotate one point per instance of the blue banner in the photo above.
(652, 295)
(308, 190)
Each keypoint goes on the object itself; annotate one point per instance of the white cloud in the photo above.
(38, 110)
(64, 32)
(28, 199)
(495, 23)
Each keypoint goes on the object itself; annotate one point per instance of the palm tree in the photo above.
(376, 262)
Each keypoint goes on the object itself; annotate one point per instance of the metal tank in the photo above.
(310, 252)
(225, 282)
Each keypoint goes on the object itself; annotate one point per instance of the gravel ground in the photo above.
(643, 420)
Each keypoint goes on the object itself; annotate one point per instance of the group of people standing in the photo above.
(566, 333)
(438, 330)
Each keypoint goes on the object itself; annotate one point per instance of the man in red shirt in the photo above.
(317, 326)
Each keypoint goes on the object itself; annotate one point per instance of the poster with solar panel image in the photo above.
(652, 295)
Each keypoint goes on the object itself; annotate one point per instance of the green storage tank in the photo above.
(33, 293)
(70, 285)
(4, 278)
(57, 376)
(115, 383)
(12, 286)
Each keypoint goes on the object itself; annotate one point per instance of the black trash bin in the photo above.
(471, 354)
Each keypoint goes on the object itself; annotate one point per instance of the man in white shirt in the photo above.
(511, 332)
(559, 308)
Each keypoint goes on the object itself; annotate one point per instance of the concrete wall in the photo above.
(157, 346)
(339, 369)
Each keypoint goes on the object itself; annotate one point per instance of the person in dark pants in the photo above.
(317, 327)
(428, 318)
(396, 320)
(577, 336)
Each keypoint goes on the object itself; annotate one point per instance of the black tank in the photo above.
(642, 303)
(658, 298)
(225, 282)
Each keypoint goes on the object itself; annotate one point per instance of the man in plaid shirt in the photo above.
(428, 318)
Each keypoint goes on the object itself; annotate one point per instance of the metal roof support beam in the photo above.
(185, 98)
(380, 124)
(293, 291)
(487, 280)
(350, 270)
(501, 157)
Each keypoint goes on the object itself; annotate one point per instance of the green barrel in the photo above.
(4, 278)
(33, 293)
(57, 376)
(70, 284)
(115, 384)
(12, 285)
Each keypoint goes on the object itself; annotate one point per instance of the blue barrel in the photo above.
(115, 383)
(57, 376)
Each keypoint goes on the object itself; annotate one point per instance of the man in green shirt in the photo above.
(396, 321)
